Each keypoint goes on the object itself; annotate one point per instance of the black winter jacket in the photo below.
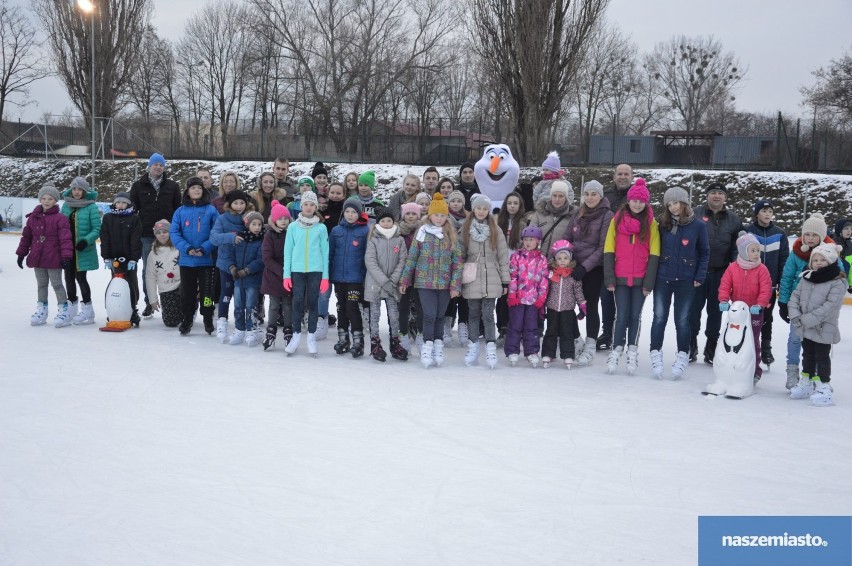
(121, 236)
(615, 196)
(153, 205)
(722, 231)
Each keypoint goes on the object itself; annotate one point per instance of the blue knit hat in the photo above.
(156, 158)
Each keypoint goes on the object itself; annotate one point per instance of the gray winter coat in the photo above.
(385, 259)
(815, 309)
(492, 272)
(395, 204)
(552, 227)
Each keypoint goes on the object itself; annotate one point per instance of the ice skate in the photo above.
(491, 355)
(657, 364)
(471, 358)
(545, 362)
(148, 312)
(322, 328)
(803, 389)
(587, 355)
(513, 359)
(632, 359)
(438, 352)
(534, 360)
(821, 396)
(405, 342)
(463, 334)
(426, 354)
(357, 349)
(135, 319)
(376, 351)
(792, 376)
(252, 339)
(604, 342)
(286, 335)
(418, 341)
(679, 365)
(579, 345)
(312, 344)
(766, 354)
(568, 362)
(209, 327)
(269, 338)
(398, 351)
(293, 345)
(85, 316)
(61, 319)
(343, 345)
(72, 310)
(221, 329)
(613, 359)
(237, 337)
(185, 327)
(448, 330)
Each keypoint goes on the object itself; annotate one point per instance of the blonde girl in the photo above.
(163, 280)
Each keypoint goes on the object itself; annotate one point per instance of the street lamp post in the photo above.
(88, 7)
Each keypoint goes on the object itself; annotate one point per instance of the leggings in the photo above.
(282, 304)
(410, 300)
(481, 310)
(54, 278)
(393, 316)
(73, 276)
(434, 303)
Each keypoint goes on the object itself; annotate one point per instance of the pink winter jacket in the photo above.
(528, 272)
(751, 286)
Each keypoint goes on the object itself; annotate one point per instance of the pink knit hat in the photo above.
(411, 207)
(278, 211)
(639, 191)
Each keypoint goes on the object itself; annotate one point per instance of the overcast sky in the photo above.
(779, 41)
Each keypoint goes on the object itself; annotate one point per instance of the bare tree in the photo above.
(534, 48)
(19, 54)
(171, 95)
(832, 90)
(119, 28)
(456, 93)
(145, 88)
(696, 74)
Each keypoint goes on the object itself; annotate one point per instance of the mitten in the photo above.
(107, 264)
(724, 307)
(512, 300)
(539, 303)
(288, 284)
(66, 263)
(578, 273)
(21, 261)
(583, 312)
(81, 245)
(324, 286)
(784, 312)
(755, 309)
(131, 265)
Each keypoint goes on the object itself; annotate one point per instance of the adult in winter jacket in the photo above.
(154, 197)
(467, 184)
(553, 214)
(723, 226)
(267, 192)
(774, 250)
(280, 171)
(408, 192)
(586, 231)
(85, 220)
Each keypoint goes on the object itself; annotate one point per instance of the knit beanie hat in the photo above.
(814, 225)
(639, 191)
(162, 226)
(423, 197)
(80, 183)
(438, 205)
(354, 204)
(237, 195)
(717, 187)
(319, 169)
(277, 212)
(50, 190)
(458, 195)
(411, 207)
(253, 215)
(306, 180)
(310, 196)
(386, 213)
(194, 181)
(367, 178)
(561, 246)
(828, 251)
(592, 187)
(480, 201)
(675, 194)
(761, 204)
(122, 197)
(466, 165)
(156, 158)
(564, 187)
(743, 242)
(552, 163)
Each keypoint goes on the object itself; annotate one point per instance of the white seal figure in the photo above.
(733, 363)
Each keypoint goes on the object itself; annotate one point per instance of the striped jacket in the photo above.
(774, 248)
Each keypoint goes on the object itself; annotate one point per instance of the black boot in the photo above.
(269, 339)
(134, 318)
(185, 327)
(357, 344)
(709, 352)
(209, 327)
(343, 345)
(376, 349)
(766, 353)
(148, 312)
(693, 350)
(287, 335)
(397, 351)
(332, 320)
(604, 342)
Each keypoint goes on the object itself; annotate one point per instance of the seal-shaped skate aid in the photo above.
(734, 361)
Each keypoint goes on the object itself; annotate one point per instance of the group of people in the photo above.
(439, 254)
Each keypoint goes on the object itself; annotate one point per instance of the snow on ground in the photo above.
(150, 448)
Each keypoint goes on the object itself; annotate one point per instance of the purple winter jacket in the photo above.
(46, 240)
(588, 234)
(272, 253)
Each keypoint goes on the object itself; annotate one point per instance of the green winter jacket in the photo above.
(85, 225)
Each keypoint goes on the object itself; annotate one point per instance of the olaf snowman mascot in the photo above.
(734, 361)
(496, 173)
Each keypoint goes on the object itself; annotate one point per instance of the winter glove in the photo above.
(755, 309)
(131, 265)
(578, 273)
(324, 286)
(539, 303)
(21, 261)
(107, 264)
(513, 301)
(233, 271)
(288, 284)
(242, 273)
(81, 245)
(66, 263)
(785, 314)
(583, 312)
(724, 307)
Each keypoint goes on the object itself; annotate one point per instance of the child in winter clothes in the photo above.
(163, 276)
(319, 174)
(372, 206)
(843, 235)
(774, 250)
(306, 269)
(551, 170)
(814, 313)
(334, 206)
(191, 226)
(748, 280)
(423, 200)
(814, 232)
(564, 294)
(272, 253)
(684, 256)
(631, 257)
(528, 283)
(455, 202)
(48, 248)
(410, 312)
(305, 185)
(121, 245)
(510, 222)
(385, 258)
(433, 268)
(485, 247)
(457, 306)
(225, 235)
(246, 267)
(85, 220)
(347, 245)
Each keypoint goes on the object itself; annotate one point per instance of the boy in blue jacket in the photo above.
(245, 265)
(347, 246)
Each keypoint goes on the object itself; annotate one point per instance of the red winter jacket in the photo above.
(751, 286)
(46, 240)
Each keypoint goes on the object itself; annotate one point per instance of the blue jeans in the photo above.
(663, 292)
(245, 298)
(305, 294)
(147, 244)
(628, 314)
(794, 348)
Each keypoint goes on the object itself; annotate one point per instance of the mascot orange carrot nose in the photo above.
(496, 172)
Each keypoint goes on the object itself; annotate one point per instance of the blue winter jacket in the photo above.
(245, 255)
(225, 230)
(347, 246)
(774, 248)
(684, 254)
(191, 227)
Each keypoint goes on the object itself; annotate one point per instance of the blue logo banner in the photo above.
(774, 541)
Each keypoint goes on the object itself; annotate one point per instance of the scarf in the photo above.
(307, 222)
(428, 228)
(557, 211)
(249, 236)
(678, 221)
(479, 231)
(156, 182)
(78, 202)
(405, 228)
(460, 215)
(821, 275)
(628, 225)
(560, 272)
(386, 232)
(366, 201)
(126, 212)
(746, 264)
